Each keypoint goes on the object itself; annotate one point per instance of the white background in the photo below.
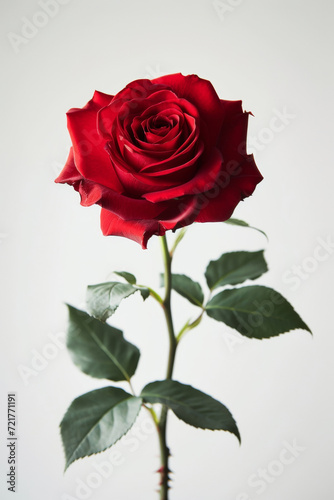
(276, 56)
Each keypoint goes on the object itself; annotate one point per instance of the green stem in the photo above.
(162, 426)
(189, 326)
(178, 239)
(153, 293)
(167, 306)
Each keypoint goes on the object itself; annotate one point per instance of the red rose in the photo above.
(160, 155)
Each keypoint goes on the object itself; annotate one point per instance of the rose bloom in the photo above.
(159, 155)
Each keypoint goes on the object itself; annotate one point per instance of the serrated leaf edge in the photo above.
(103, 348)
(306, 327)
(216, 285)
(69, 462)
(179, 403)
(193, 300)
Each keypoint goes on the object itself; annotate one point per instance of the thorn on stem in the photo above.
(164, 475)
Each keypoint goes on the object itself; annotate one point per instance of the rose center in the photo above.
(160, 122)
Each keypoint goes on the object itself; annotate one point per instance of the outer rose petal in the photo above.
(92, 193)
(139, 231)
(132, 209)
(219, 204)
(100, 100)
(138, 89)
(128, 208)
(232, 140)
(185, 212)
(69, 174)
(171, 215)
(90, 157)
(201, 93)
(181, 213)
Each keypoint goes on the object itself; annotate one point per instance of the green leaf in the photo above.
(186, 287)
(235, 267)
(104, 298)
(241, 223)
(255, 311)
(179, 237)
(130, 278)
(191, 405)
(96, 420)
(144, 292)
(98, 349)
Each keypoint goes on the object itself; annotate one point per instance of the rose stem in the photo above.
(162, 426)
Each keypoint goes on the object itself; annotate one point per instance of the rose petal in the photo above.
(180, 214)
(202, 181)
(181, 153)
(201, 93)
(149, 140)
(233, 134)
(139, 231)
(183, 170)
(92, 193)
(144, 162)
(171, 142)
(90, 157)
(138, 89)
(122, 135)
(137, 184)
(183, 213)
(219, 204)
(122, 110)
(69, 174)
(124, 131)
(100, 99)
(124, 206)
